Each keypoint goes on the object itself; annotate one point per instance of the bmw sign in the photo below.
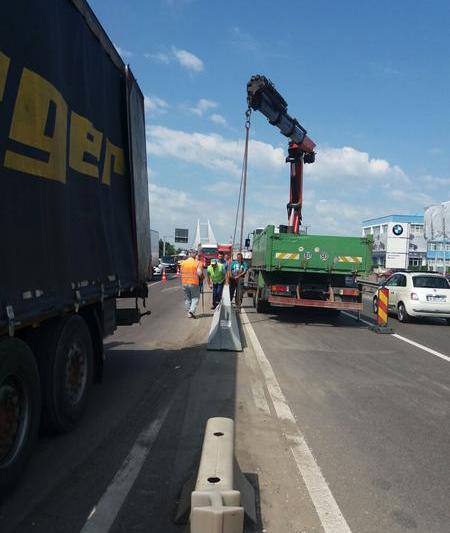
(397, 230)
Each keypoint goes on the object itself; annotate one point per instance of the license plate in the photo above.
(436, 298)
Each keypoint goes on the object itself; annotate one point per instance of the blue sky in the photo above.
(369, 80)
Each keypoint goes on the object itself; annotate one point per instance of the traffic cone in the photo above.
(177, 275)
(163, 278)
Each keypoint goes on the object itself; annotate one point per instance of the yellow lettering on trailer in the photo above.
(115, 154)
(35, 100)
(4, 67)
(84, 139)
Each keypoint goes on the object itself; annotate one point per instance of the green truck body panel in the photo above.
(288, 252)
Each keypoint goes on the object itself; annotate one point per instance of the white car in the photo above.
(157, 270)
(417, 294)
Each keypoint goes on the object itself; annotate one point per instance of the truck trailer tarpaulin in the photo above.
(73, 180)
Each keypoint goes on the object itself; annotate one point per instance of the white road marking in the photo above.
(259, 396)
(330, 515)
(256, 387)
(422, 347)
(404, 339)
(102, 516)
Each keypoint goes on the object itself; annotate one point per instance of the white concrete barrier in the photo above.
(224, 332)
(215, 504)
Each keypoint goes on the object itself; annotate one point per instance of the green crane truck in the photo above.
(308, 270)
(291, 268)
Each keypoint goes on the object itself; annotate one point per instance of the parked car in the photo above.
(168, 263)
(417, 294)
(157, 270)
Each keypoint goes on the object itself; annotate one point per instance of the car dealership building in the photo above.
(398, 241)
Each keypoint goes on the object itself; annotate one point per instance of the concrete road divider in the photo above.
(215, 504)
(224, 332)
(218, 495)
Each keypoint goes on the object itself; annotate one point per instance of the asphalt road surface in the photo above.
(337, 428)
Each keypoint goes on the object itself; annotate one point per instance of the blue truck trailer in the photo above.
(74, 215)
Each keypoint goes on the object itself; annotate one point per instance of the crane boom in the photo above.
(263, 97)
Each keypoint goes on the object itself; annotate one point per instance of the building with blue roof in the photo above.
(398, 241)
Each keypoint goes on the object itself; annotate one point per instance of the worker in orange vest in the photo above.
(191, 275)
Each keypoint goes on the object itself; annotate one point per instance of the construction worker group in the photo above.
(219, 272)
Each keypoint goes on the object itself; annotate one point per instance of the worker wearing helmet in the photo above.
(191, 273)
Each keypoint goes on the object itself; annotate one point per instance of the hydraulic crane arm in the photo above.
(263, 97)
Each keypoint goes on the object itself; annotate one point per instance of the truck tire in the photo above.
(65, 358)
(20, 407)
(260, 305)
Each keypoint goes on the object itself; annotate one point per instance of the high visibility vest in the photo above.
(217, 274)
(189, 274)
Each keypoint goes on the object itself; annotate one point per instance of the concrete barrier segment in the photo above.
(215, 505)
(224, 332)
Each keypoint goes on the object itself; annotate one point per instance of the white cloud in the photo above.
(343, 187)
(224, 188)
(203, 106)
(160, 57)
(188, 60)
(184, 58)
(212, 151)
(218, 119)
(435, 182)
(348, 166)
(411, 199)
(170, 208)
(122, 52)
(153, 104)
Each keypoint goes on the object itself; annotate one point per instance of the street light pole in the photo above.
(444, 246)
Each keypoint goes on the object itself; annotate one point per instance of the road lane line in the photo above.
(330, 515)
(422, 347)
(259, 397)
(102, 516)
(404, 339)
(256, 387)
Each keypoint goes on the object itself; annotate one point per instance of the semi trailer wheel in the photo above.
(20, 407)
(65, 358)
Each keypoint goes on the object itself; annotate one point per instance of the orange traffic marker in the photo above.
(383, 312)
(163, 277)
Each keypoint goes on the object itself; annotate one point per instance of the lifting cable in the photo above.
(243, 185)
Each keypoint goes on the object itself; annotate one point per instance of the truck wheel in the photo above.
(20, 406)
(65, 357)
(402, 313)
(260, 305)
